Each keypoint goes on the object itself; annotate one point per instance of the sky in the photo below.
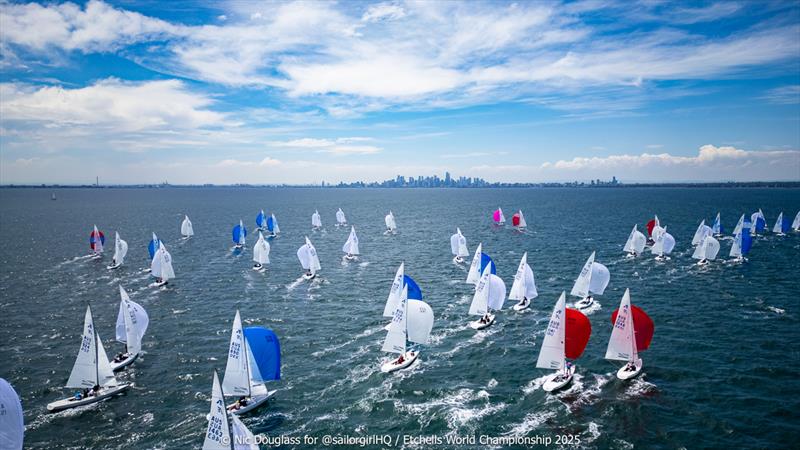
(195, 92)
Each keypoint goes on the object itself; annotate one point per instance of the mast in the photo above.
(96, 357)
(246, 364)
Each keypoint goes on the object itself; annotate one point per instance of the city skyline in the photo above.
(300, 92)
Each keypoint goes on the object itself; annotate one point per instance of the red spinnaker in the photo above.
(93, 237)
(577, 331)
(643, 327)
(650, 226)
(515, 219)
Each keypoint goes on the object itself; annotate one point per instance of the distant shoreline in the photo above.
(576, 185)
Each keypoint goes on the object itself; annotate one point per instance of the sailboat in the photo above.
(391, 225)
(593, 279)
(759, 222)
(781, 225)
(524, 288)
(307, 255)
(225, 431)
(663, 246)
(458, 245)
(96, 241)
(187, 230)
(490, 294)
(260, 252)
(738, 225)
(479, 261)
(717, 226)
(702, 231)
(272, 225)
(12, 422)
(316, 221)
(161, 266)
(350, 247)
(741, 243)
(400, 281)
(634, 246)
(261, 221)
(566, 337)
(132, 321)
(412, 321)
(518, 221)
(653, 227)
(238, 234)
(631, 333)
(152, 246)
(706, 251)
(53, 196)
(341, 221)
(254, 357)
(120, 250)
(498, 217)
(92, 372)
(796, 222)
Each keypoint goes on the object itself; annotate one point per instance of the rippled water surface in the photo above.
(721, 371)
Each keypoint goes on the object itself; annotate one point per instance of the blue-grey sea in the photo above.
(721, 372)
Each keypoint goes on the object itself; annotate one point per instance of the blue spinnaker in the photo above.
(152, 247)
(261, 219)
(486, 259)
(265, 351)
(414, 292)
(270, 224)
(238, 231)
(747, 240)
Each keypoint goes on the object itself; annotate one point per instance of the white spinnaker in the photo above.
(419, 322)
(390, 222)
(474, 273)
(243, 438)
(636, 241)
(132, 322)
(700, 233)
(480, 300)
(707, 249)
(340, 218)
(313, 257)
(600, 278)
(778, 227)
(275, 228)
(796, 222)
(84, 372)
(497, 293)
(664, 244)
(552, 353)
(395, 292)
(395, 341)
(502, 217)
(218, 431)
(622, 345)
(186, 227)
(120, 249)
(524, 285)
(581, 286)
(351, 246)
(12, 424)
(261, 250)
(236, 381)
(736, 246)
(458, 244)
(739, 224)
(522, 223)
(98, 242)
(316, 220)
(161, 266)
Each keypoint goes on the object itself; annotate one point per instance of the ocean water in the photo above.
(722, 370)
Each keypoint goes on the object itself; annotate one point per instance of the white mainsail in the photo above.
(132, 322)
(522, 223)
(524, 285)
(458, 244)
(474, 273)
(316, 220)
(663, 245)
(351, 246)
(12, 422)
(395, 292)
(98, 242)
(497, 293)
(717, 225)
(391, 225)
(241, 233)
(91, 366)
(739, 224)
(120, 249)
(419, 322)
(161, 266)
(395, 341)
(796, 222)
(340, 218)
(581, 286)
(702, 231)
(243, 438)
(261, 250)
(707, 249)
(186, 227)
(636, 241)
(502, 216)
(552, 353)
(218, 433)
(622, 345)
(275, 228)
(736, 246)
(480, 300)
(778, 227)
(236, 380)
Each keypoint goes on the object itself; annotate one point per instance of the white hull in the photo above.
(113, 266)
(104, 394)
(350, 257)
(477, 325)
(662, 258)
(308, 277)
(117, 366)
(392, 365)
(624, 374)
(585, 303)
(558, 380)
(252, 403)
(259, 268)
(458, 260)
(630, 255)
(159, 283)
(521, 306)
(702, 262)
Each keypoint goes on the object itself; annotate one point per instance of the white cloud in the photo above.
(383, 11)
(785, 95)
(340, 146)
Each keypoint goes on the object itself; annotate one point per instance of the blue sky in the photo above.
(300, 92)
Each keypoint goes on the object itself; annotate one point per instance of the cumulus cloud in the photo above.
(340, 146)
